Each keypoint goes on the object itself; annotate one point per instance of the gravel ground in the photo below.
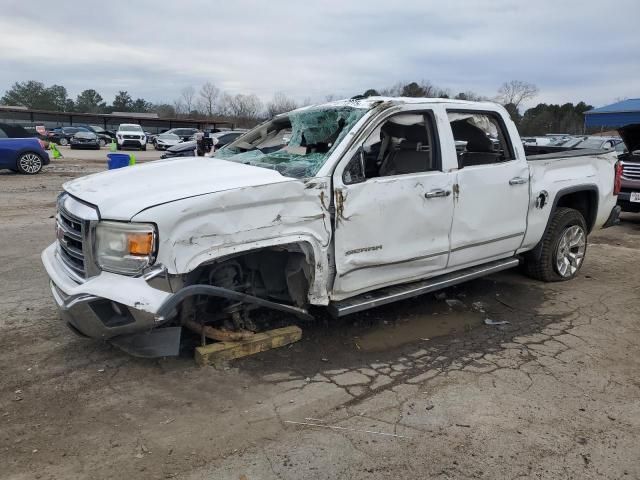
(419, 389)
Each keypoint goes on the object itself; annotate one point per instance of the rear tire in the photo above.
(563, 248)
(102, 143)
(63, 141)
(143, 148)
(29, 163)
(118, 147)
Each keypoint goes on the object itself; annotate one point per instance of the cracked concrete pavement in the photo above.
(416, 389)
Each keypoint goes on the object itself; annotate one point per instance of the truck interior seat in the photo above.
(411, 154)
(479, 149)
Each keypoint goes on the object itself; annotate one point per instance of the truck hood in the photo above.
(630, 134)
(122, 193)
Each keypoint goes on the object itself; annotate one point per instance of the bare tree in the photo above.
(393, 91)
(187, 95)
(241, 106)
(280, 104)
(208, 95)
(178, 107)
(516, 92)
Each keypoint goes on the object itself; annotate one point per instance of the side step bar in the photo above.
(402, 292)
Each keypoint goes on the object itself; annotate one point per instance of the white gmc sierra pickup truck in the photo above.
(348, 205)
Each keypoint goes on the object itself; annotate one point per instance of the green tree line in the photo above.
(209, 101)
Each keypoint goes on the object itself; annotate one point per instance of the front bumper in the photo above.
(131, 142)
(85, 144)
(106, 306)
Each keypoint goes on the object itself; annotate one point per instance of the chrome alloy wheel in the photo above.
(570, 251)
(30, 163)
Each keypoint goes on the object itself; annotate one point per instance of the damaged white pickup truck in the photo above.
(347, 205)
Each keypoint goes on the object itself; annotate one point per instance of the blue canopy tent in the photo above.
(618, 114)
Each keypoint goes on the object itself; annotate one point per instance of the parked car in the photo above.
(347, 205)
(21, 152)
(131, 135)
(86, 140)
(166, 140)
(62, 135)
(105, 137)
(629, 196)
(188, 148)
(184, 133)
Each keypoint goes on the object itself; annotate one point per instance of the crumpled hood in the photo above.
(631, 136)
(120, 194)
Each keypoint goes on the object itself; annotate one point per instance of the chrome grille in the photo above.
(631, 171)
(71, 232)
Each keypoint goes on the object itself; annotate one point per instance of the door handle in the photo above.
(518, 181)
(437, 193)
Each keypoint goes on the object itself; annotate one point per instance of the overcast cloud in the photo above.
(572, 50)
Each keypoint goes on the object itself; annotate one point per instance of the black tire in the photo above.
(118, 147)
(544, 266)
(29, 163)
(63, 141)
(102, 143)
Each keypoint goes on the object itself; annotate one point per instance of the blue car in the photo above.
(21, 152)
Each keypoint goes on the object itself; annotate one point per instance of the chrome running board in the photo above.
(408, 290)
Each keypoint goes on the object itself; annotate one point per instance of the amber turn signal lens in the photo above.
(140, 243)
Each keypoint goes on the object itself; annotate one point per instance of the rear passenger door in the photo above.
(491, 195)
(392, 217)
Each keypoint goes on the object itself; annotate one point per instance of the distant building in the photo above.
(619, 114)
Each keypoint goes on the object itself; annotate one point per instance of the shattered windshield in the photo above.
(297, 144)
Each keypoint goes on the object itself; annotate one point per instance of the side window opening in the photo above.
(480, 138)
(403, 144)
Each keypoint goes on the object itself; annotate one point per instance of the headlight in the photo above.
(125, 248)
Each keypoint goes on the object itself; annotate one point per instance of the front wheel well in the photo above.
(282, 273)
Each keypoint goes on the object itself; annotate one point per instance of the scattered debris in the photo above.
(334, 427)
(455, 303)
(463, 425)
(478, 307)
(488, 321)
(168, 421)
(101, 370)
(324, 359)
(611, 417)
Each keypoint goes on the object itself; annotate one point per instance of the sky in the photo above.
(572, 50)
